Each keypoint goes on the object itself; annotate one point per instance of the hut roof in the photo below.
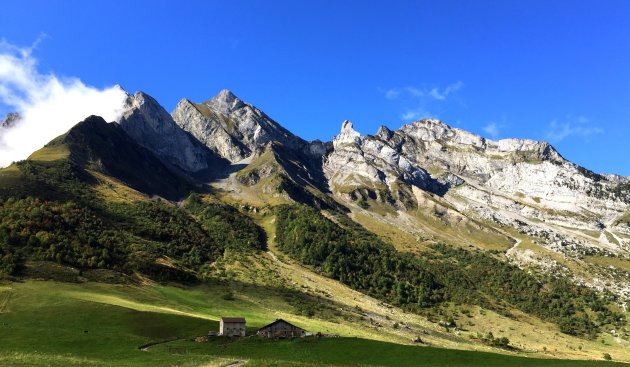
(233, 319)
(280, 320)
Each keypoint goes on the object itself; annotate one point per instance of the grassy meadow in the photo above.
(49, 323)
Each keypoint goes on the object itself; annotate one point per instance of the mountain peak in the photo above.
(95, 144)
(146, 121)
(348, 134)
(225, 102)
(384, 133)
(347, 129)
(226, 94)
(231, 127)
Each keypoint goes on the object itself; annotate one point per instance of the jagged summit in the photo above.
(436, 130)
(384, 132)
(532, 168)
(152, 126)
(226, 95)
(225, 102)
(232, 128)
(347, 135)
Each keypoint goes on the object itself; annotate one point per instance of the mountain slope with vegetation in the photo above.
(380, 237)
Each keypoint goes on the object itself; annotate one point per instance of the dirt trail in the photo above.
(513, 248)
(238, 363)
(145, 347)
(5, 296)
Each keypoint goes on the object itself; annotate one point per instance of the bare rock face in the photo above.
(513, 167)
(509, 168)
(10, 120)
(235, 129)
(362, 167)
(358, 161)
(152, 127)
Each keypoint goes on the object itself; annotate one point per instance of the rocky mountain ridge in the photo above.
(423, 175)
(421, 217)
(432, 156)
(427, 154)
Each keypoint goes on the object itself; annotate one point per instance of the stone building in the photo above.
(232, 326)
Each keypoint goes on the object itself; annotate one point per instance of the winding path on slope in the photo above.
(513, 248)
(145, 348)
(238, 363)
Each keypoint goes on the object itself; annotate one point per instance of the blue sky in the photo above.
(556, 71)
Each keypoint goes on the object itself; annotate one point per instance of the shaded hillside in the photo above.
(51, 209)
(284, 171)
(356, 257)
(67, 167)
(98, 145)
(152, 238)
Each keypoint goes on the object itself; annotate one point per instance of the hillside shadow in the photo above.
(213, 174)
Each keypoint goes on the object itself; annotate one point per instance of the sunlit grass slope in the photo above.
(46, 323)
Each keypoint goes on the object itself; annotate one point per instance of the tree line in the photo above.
(345, 251)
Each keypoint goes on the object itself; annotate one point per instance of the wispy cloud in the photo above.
(436, 93)
(417, 102)
(49, 105)
(416, 114)
(571, 126)
(492, 129)
(392, 93)
(444, 93)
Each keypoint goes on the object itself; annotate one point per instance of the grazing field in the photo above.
(355, 352)
(46, 323)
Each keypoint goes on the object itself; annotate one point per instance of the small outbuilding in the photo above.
(281, 329)
(232, 326)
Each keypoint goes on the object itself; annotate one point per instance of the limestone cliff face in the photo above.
(510, 167)
(235, 129)
(152, 127)
(369, 166)
(521, 176)
(518, 167)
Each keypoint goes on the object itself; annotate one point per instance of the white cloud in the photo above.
(441, 95)
(492, 129)
(416, 102)
(435, 93)
(392, 93)
(416, 114)
(578, 126)
(49, 105)
(416, 92)
(411, 115)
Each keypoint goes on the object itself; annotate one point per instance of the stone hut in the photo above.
(281, 329)
(232, 326)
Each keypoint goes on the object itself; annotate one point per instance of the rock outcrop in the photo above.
(10, 120)
(361, 167)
